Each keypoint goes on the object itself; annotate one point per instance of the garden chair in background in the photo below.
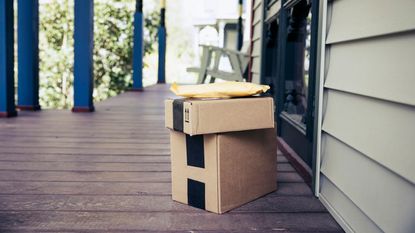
(210, 64)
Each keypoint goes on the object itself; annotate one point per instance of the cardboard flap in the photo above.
(206, 116)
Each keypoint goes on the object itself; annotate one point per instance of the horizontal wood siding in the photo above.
(257, 4)
(257, 14)
(256, 65)
(273, 9)
(356, 19)
(383, 131)
(381, 194)
(255, 76)
(368, 130)
(256, 50)
(257, 31)
(257, 28)
(382, 68)
(352, 214)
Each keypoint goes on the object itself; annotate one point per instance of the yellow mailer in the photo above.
(219, 90)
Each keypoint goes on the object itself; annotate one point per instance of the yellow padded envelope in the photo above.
(219, 90)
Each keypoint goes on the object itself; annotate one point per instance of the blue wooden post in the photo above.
(83, 64)
(28, 55)
(240, 26)
(162, 44)
(7, 105)
(138, 48)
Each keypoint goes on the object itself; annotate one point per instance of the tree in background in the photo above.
(113, 38)
(56, 54)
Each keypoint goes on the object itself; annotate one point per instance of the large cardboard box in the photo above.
(219, 172)
(206, 116)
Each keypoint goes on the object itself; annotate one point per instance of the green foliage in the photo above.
(56, 54)
(113, 41)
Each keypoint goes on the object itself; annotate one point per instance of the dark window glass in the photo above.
(297, 63)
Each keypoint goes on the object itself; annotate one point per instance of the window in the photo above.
(297, 63)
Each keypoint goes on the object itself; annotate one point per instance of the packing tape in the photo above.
(195, 151)
(178, 114)
(196, 194)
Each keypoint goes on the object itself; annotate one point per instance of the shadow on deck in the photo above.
(109, 171)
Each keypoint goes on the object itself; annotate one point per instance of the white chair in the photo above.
(211, 60)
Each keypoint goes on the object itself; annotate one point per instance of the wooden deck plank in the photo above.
(91, 151)
(279, 230)
(76, 140)
(115, 221)
(108, 176)
(117, 188)
(86, 136)
(84, 166)
(85, 158)
(109, 171)
(35, 157)
(102, 166)
(147, 203)
(84, 176)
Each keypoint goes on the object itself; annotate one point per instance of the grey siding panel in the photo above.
(354, 19)
(256, 48)
(273, 10)
(257, 15)
(380, 194)
(383, 131)
(257, 31)
(257, 3)
(368, 114)
(382, 67)
(350, 216)
(256, 65)
(255, 78)
(257, 43)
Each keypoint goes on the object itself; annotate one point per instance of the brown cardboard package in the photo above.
(219, 172)
(206, 116)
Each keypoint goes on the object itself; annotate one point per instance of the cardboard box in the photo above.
(206, 116)
(219, 172)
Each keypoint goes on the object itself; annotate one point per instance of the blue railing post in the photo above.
(162, 44)
(138, 48)
(28, 55)
(240, 25)
(83, 64)
(7, 105)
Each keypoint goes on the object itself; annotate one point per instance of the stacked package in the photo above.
(223, 151)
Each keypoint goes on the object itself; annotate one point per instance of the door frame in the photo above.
(312, 131)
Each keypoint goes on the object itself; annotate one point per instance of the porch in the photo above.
(110, 171)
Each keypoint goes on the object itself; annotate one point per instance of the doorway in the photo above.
(289, 67)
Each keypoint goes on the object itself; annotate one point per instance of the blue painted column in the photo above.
(240, 25)
(138, 48)
(28, 55)
(83, 64)
(7, 105)
(162, 44)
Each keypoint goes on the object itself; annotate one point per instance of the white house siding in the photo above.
(257, 27)
(367, 177)
(273, 9)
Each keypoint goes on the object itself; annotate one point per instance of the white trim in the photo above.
(248, 19)
(320, 73)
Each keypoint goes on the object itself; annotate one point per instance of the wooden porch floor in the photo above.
(109, 171)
